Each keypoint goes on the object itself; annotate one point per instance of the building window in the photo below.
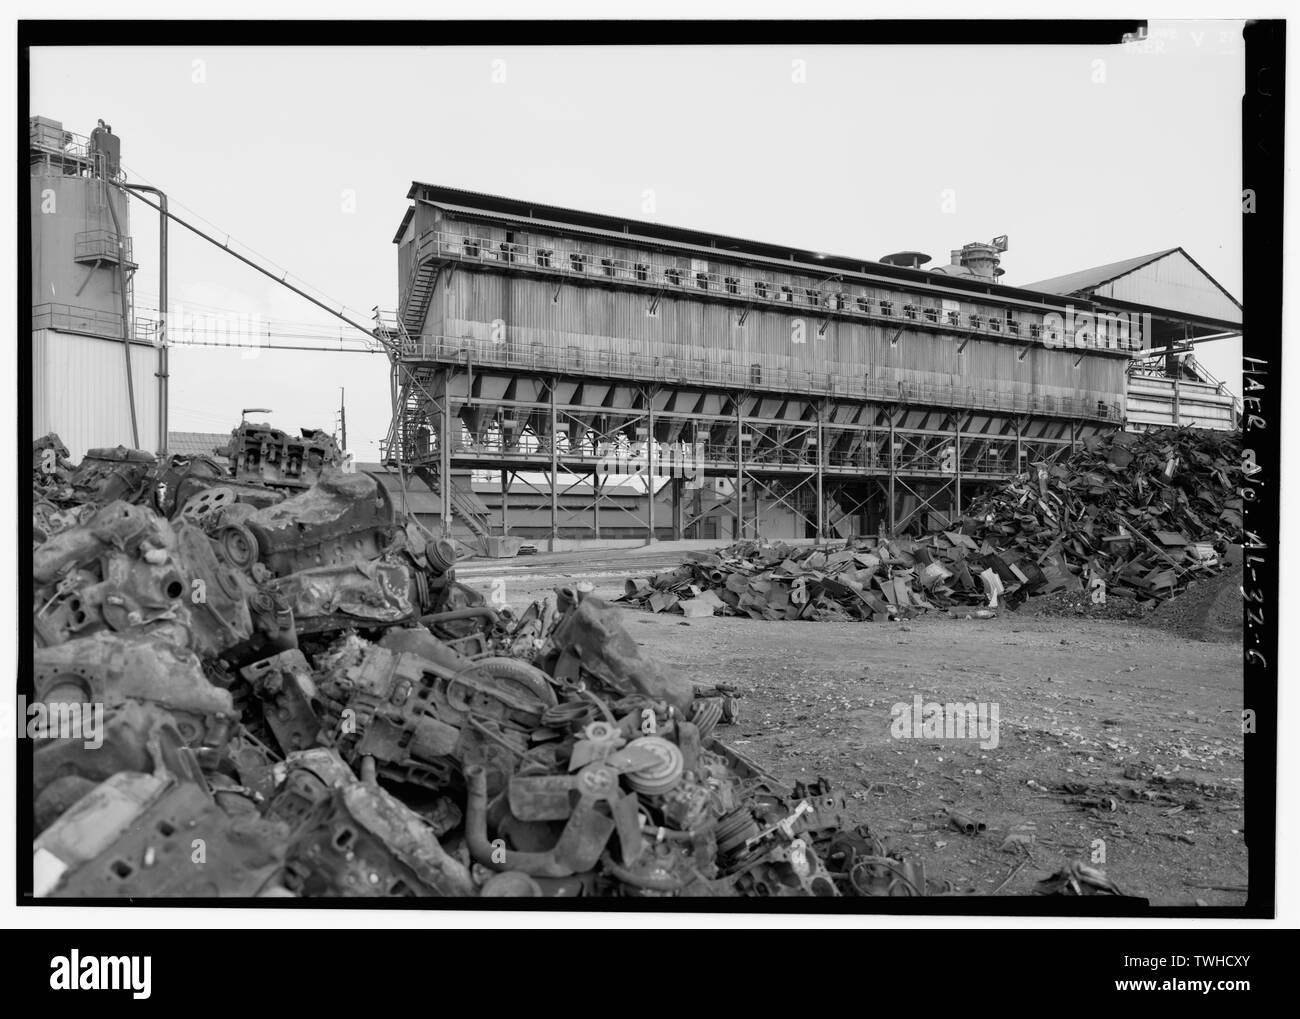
(787, 295)
(886, 307)
(932, 315)
(814, 296)
(733, 284)
(642, 271)
(507, 252)
(909, 310)
(839, 302)
(760, 290)
(864, 305)
(702, 280)
(607, 266)
(976, 321)
(954, 318)
(995, 324)
(471, 246)
(544, 257)
(576, 262)
(1035, 330)
(673, 276)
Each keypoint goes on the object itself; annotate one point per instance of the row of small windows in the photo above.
(678, 277)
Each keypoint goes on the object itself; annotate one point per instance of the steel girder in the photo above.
(815, 456)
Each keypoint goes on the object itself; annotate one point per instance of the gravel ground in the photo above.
(1209, 610)
(1114, 736)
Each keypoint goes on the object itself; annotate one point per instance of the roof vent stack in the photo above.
(976, 260)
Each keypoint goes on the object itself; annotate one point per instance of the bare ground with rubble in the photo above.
(1110, 730)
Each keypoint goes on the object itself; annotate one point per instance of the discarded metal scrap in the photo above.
(275, 686)
(1128, 516)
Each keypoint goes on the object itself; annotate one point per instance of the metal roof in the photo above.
(1086, 279)
(1179, 285)
(197, 443)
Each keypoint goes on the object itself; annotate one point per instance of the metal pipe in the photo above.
(126, 319)
(473, 612)
(163, 372)
(497, 857)
(650, 884)
(282, 280)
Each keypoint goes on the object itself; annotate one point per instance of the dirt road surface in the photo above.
(1116, 744)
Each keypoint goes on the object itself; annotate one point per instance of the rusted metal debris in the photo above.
(1077, 878)
(1127, 516)
(249, 686)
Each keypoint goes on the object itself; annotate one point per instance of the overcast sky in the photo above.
(306, 155)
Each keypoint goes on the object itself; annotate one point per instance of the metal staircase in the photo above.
(411, 441)
(463, 504)
(418, 292)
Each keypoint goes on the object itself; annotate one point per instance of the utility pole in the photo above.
(343, 419)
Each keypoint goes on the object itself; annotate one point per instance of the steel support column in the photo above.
(444, 454)
(957, 432)
(893, 469)
(505, 504)
(740, 472)
(651, 467)
(821, 407)
(554, 470)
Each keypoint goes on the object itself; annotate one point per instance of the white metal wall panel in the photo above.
(79, 391)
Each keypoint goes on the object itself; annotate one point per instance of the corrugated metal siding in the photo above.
(1151, 402)
(699, 333)
(79, 391)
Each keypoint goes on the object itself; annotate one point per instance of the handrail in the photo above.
(74, 318)
(994, 321)
(884, 384)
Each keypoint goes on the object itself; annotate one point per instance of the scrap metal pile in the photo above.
(1136, 516)
(263, 680)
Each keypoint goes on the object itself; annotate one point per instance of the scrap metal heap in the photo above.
(270, 683)
(1134, 516)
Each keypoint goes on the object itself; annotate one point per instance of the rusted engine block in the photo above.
(422, 720)
(353, 838)
(261, 454)
(106, 475)
(128, 569)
